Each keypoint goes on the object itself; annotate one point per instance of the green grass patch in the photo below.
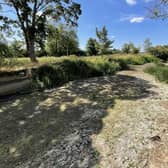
(72, 68)
(54, 71)
(135, 59)
(159, 71)
(48, 76)
(13, 64)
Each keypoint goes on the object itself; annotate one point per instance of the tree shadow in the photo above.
(54, 128)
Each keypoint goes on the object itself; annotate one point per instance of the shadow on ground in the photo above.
(54, 128)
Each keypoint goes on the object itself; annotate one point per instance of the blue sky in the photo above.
(126, 20)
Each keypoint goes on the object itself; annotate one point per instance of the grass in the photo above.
(55, 71)
(14, 64)
(160, 72)
(72, 68)
(48, 76)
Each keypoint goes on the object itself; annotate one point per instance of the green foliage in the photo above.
(16, 49)
(160, 52)
(136, 59)
(11, 64)
(49, 76)
(104, 44)
(92, 47)
(31, 17)
(160, 10)
(67, 69)
(4, 50)
(61, 41)
(130, 48)
(159, 71)
(135, 50)
(126, 48)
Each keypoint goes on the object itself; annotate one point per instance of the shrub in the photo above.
(123, 64)
(135, 59)
(159, 71)
(160, 52)
(135, 50)
(48, 76)
(130, 48)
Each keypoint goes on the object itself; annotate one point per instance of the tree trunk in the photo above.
(31, 50)
(67, 51)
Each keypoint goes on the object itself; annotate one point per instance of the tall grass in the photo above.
(54, 71)
(159, 71)
(48, 76)
(71, 68)
(10, 64)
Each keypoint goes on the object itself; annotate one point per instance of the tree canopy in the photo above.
(92, 47)
(130, 48)
(31, 17)
(160, 10)
(61, 40)
(104, 43)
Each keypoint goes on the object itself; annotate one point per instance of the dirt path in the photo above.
(107, 122)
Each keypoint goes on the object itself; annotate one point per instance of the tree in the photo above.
(147, 45)
(91, 47)
(126, 48)
(70, 41)
(17, 48)
(61, 40)
(160, 10)
(4, 50)
(130, 48)
(160, 51)
(135, 50)
(104, 44)
(31, 17)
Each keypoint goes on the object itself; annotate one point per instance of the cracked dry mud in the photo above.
(105, 122)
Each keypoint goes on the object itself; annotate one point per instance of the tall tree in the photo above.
(130, 48)
(31, 17)
(61, 40)
(91, 47)
(126, 48)
(104, 42)
(147, 44)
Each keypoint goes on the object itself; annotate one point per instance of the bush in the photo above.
(135, 50)
(56, 74)
(159, 71)
(160, 52)
(135, 59)
(130, 48)
(4, 52)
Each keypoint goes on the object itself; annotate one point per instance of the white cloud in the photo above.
(137, 20)
(132, 19)
(134, 2)
(131, 2)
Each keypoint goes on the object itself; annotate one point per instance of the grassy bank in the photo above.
(55, 71)
(13, 64)
(68, 69)
(159, 71)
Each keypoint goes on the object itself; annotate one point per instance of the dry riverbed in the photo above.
(119, 121)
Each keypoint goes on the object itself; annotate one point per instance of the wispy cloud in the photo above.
(134, 2)
(132, 19)
(137, 20)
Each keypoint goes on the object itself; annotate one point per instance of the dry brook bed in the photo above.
(116, 121)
